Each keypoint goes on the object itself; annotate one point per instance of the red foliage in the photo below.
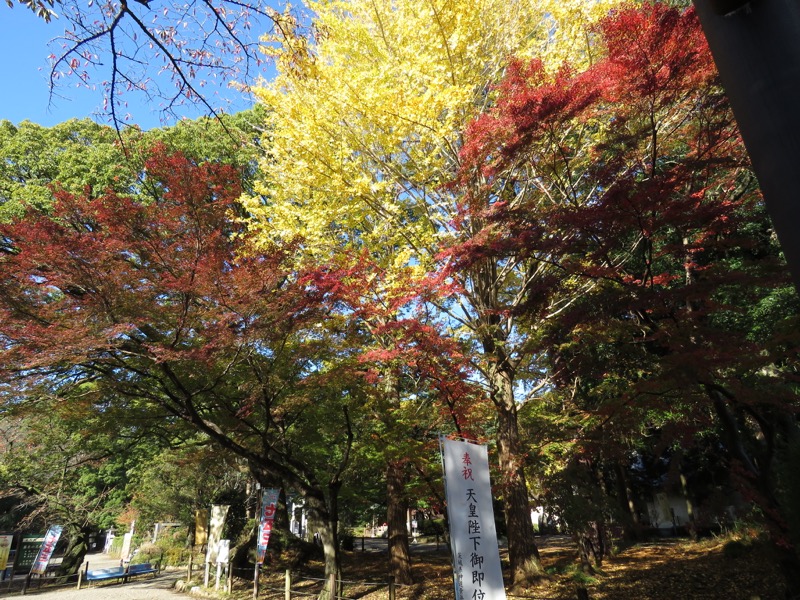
(403, 342)
(626, 190)
(153, 292)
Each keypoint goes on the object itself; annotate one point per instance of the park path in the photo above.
(141, 588)
(148, 588)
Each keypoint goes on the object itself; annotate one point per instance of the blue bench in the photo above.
(142, 569)
(116, 573)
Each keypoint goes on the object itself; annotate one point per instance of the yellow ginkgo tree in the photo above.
(364, 131)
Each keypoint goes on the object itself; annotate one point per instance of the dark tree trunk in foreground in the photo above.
(522, 551)
(325, 522)
(397, 511)
(632, 525)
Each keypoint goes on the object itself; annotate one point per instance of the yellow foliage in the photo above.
(364, 123)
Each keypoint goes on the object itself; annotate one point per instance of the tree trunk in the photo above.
(76, 552)
(761, 481)
(632, 525)
(326, 525)
(522, 552)
(397, 509)
(587, 551)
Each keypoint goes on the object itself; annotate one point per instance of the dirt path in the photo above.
(146, 588)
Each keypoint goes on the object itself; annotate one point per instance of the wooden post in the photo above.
(191, 564)
(392, 589)
(332, 586)
(80, 578)
(255, 582)
(287, 592)
(229, 574)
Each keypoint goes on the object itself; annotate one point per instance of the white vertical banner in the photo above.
(46, 551)
(477, 574)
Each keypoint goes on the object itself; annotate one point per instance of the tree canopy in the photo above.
(449, 217)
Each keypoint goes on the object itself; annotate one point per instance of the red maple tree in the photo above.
(662, 301)
(161, 303)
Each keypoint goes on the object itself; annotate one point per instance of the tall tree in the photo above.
(68, 462)
(78, 154)
(83, 157)
(364, 126)
(153, 302)
(659, 221)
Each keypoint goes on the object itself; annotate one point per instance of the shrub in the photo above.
(432, 527)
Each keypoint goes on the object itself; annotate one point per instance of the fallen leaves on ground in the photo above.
(663, 569)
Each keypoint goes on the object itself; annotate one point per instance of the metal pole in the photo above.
(255, 582)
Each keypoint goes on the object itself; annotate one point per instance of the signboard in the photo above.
(127, 540)
(218, 514)
(477, 574)
(46, 551)
(201, 517)
(28, 551)
(5, 550)
(269, 506)
(223, 551)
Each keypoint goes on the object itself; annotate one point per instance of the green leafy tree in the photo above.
(66, 462)
(82, 157)
(79, 155)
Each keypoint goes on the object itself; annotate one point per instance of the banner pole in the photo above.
(255, 581)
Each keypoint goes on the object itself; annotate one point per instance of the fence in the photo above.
(298, 587)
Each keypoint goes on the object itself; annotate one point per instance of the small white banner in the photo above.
(477, 574)
(46, 551)
(223, 552)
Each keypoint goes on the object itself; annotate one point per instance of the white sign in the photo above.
(218, 514)
(477, 574)
(223, 551)
(127, 540)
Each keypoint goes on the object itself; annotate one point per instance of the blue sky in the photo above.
(24, 72)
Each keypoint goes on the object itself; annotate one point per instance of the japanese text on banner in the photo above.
(477, 574)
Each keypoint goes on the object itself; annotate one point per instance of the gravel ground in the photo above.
(144, 588)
